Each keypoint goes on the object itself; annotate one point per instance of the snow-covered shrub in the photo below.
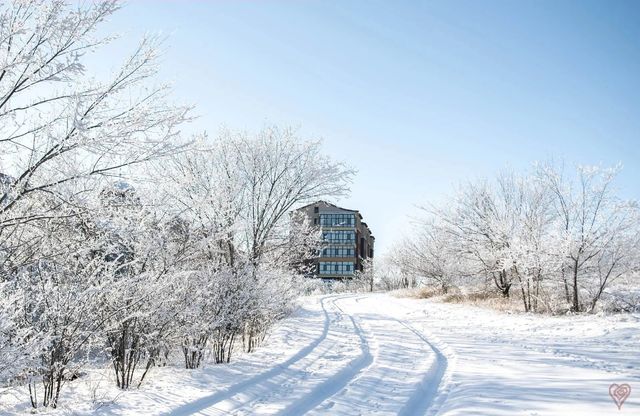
(56, 151)
(622, 296)
(18, 349)
(552, 242)
(147, 289)
(276, 291)
(56, 297)
(235, 194)
(197, 255)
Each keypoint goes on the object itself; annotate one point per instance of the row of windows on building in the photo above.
(336, 220)
(338, 252)
(336, 267)
(339, 237)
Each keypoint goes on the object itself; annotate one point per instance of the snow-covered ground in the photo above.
(377, 354)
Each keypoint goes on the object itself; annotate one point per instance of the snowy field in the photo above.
(377, 354)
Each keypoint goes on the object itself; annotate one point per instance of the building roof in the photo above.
(327, 203)
(335, 206)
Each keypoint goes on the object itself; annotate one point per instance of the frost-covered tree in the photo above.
(428, 256)
(559, 241)
(392, 273)
(482, 220)
(278, 170)
(151, 255)
(56, 297)
(600, 231)
(63, 134)
(117, 240)
(236, 192)
(367, 276)
(57, 122)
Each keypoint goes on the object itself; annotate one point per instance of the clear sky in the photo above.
(418, 96)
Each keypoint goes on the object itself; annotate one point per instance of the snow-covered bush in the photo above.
(62, 133)
(554, 242)
(120, 241)
(17, 345)
(235, 192)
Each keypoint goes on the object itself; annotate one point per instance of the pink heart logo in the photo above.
(619, 393)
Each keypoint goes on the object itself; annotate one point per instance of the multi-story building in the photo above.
(347, 241)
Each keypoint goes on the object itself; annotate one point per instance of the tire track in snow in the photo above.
(280, 395)
(208, 401)
(422, 400)
(361, 371)
(339, 380)
(375, 388)
(436, 393)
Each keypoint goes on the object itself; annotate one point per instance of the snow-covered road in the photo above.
(361, 361)
(374, 354)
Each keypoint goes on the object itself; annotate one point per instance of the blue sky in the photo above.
(418, 96)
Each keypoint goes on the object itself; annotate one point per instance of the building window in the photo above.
(316, 210)
(336, 268)
(339, 237)
(315, 221)
(337, 251)
(337, 220)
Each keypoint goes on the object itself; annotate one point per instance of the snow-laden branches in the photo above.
(63, 134)
(120, 241)
(57, 124)
(559, 241)
(279, 170)
(235, 193)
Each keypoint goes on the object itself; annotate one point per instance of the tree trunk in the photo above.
(566, 286)
(576, 301)
(502, 283)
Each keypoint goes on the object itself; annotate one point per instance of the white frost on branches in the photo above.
(554, 241)
(120, 241)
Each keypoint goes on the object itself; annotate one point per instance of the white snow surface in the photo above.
(374, 354)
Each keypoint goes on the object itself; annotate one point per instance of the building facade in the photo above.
(347, 241)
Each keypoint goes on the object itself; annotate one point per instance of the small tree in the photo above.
(599, 229)
(368, 275)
